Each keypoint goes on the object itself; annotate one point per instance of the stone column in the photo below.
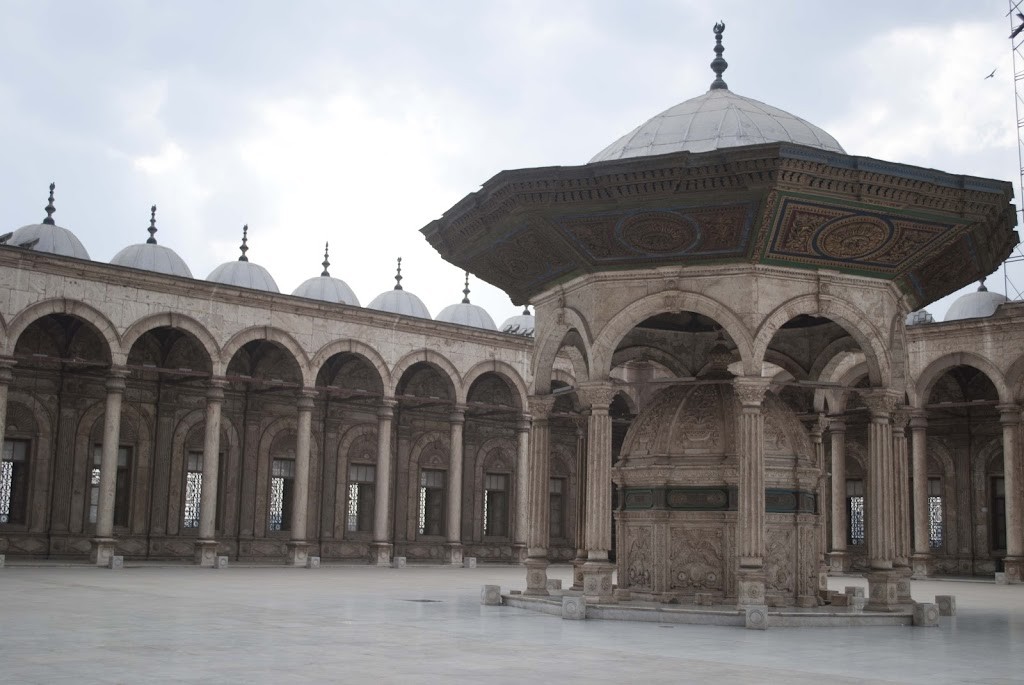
(537, 496)
(6, 376)
(103, 544)
(206, 545)
(456, 422)
(522, 487)
(921, 560)
(298, 547)
(581, 504)
(817, 429)
(597, 570)
(380, 550)
(750, 548)
(837, 555)
(1013, 563)
(901, 487)
(881, 502)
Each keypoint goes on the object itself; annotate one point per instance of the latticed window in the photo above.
(122, 491)
(431, 505)
(998, 513)
(935, 513)
(193, 489)
(282, 481)
(496, 504)
(855, 511)
(556, 507)
(14, 481)
(361, 490)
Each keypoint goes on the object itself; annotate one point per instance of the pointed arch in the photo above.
(547, 346)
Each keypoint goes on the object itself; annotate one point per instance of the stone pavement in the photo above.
(422, 624)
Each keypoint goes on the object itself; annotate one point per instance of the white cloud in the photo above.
(170, 158)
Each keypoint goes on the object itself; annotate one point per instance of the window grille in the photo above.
(361, 491)
(431, 504)
(14, 481)
(193, 490)
(855, 511)
(934, 513)
(282, 476)
(122, 490)
(496, 504)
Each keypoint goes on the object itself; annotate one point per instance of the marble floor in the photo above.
(421, 624)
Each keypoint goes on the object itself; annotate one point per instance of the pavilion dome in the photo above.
(718, 119)
(399, 300)
(520, 324)
(327, 288)
(467, 314)
(243, 273)
(150, 256)
(48, 236)
(976, 305)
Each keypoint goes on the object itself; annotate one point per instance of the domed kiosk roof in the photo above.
(48, 236)
(151, 256)
(325, 287)
(520, 324)
(466, 314)
(243, 273)
(399, 300)
(976, 305)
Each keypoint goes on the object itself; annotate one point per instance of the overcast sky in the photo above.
(360, 122)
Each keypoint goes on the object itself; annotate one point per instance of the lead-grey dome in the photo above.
(520, 324)
(48, 236)
(325, 287)
(243, 273)
(151, 256)
(467, 314)
(399, 300)
(976, 305)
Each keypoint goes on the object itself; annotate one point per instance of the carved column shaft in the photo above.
(837, 435)
(1010, 418)
(382, 488)
(901, 482)
(599, 470)
(581, 493)
(456, 422)
(522, 477)
(108, 459)
(300, 498)
(211, 459)
(919, 441)
(881, 499)
(750, 443)
(537, 498)
(820, 492)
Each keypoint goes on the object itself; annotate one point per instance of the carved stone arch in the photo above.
(99, 321)
(506, 372)
(357, 348)
(352, 448)
(497, 455)
(934, 371)
(559, 376)
(652, 354)
(29, 419)
(26, 415)
(856, 455)
(899, 375)
(836, 355)
(190, 435)
(274, 335)
(872, 342)
(431, 449)
(1015, 379)
(940, 455)
(278, 438)
(635, 313)
(786, 363)
(440, 364)
(551, 340)
(181, 322)
(3, 332)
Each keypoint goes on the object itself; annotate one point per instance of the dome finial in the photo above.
(526, 309)
(243, 247)
(981, 286)
(398, 275)
(152, 226)
(326, 262)
(719, 65)
(50, 209)
(465, 290)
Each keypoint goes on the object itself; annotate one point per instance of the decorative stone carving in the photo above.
(926, 615)
(756, 617)
(695, 558)
(312, 562)
(946, 604)
(779, 560)
(638, 558)
(398, 562)
(490, 595)
(574, 607)
(115, 561)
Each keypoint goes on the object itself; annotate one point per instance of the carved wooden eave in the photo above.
(928, 232)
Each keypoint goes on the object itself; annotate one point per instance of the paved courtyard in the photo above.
(355, 624)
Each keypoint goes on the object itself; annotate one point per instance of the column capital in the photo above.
(541, 406)
(918, 419)
(750, 390)
(305, 398)
(1009, 414)
(836, 424)
(386, 410)
(596, 394)
(6, 366)
(116, 379)
(900, 419)
(523, 423)
(880, 401)
(215, 389)
(458, 414)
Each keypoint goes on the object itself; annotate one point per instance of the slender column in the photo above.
(1013, 563)
(380, 550)
(104, 543)
(522, 486)
(881, 501)
(6, 376)
(537, 497)
(456, 422)
(597, 571)
(298, 547)
(901, 508)
(837, 555)
(919, 441)
(750, 515)
(581, 504)
(206, 545)
(817, 429)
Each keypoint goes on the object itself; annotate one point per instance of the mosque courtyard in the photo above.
(425, 624)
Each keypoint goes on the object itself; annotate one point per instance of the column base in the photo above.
(750, 585)
(206, 553)
(454, 553)
(920, 566)
(597, 582)
(577, 571)
(519, 553)
(883, 590)
(536, 577)
(298, 553)
(380, 554)
(102, 550)
(903, 574)
(837, 563)
(1013, 567)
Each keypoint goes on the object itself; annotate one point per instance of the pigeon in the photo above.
(990, 75)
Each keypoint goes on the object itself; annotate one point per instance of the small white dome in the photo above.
(466, 314)
(327, 289)
(48, 238)
(976, 305)
(400, 302)
(520, 324)
(152, 257)
(243, 273)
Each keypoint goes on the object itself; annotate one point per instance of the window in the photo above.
(556, 507)
(282, 482)
(431, 510)
(496, 504)
(935, 513)
(193, 489)
(14, 481)
(998, 513)
(122, 492)
(361, 491)
(855, 511)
